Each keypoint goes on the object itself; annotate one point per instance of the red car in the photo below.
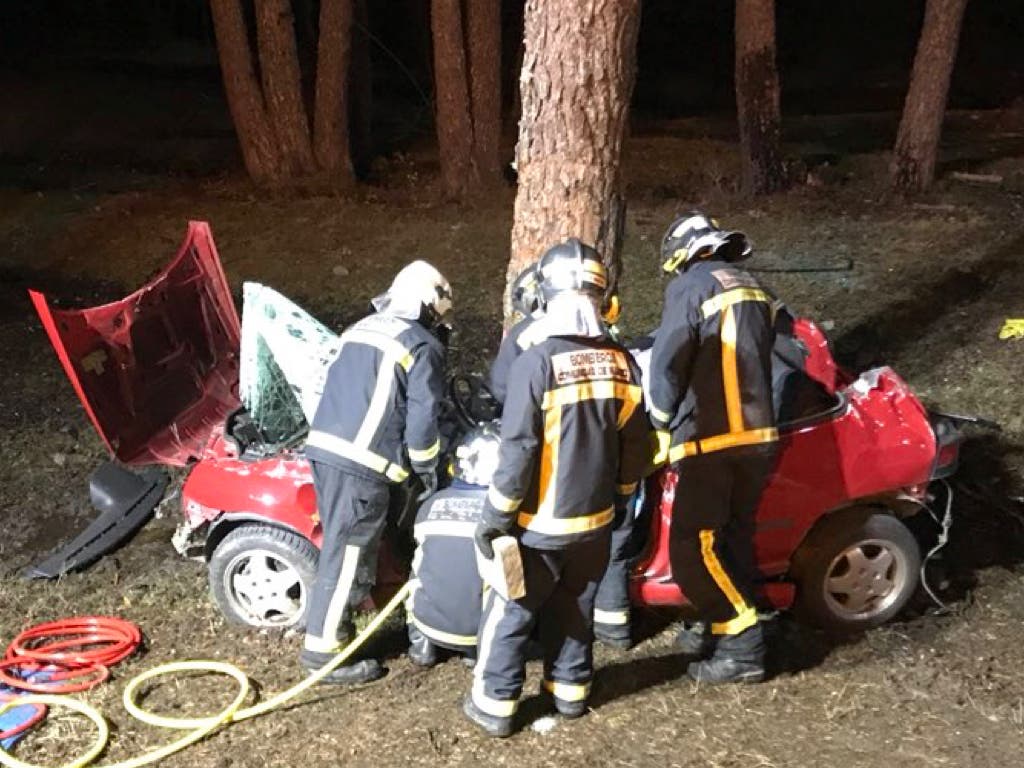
(160, 374)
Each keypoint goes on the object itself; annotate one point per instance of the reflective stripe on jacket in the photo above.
(710, 377)
(381, 400)
(574, 437)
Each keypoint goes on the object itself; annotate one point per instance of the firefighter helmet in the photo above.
(418, 292)
(697, 236)
(476, 457)
(571, 266)
(526, 292)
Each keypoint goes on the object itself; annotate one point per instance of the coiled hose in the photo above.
(200, 727)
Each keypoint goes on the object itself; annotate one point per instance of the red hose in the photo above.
(40, 713)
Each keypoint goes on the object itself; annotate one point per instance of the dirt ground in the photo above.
(929, 285)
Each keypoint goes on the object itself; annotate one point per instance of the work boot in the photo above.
(422, 652)
(694, 640)
(570, 710)
(492, 725)
(614, 635)
(737, 659)
(364, 671)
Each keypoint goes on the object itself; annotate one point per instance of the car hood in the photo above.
(156, 371)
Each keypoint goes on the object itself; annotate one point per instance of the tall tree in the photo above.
(917, 142)
(277, 139)
(467, 81)
(579, 66)
(757, 96)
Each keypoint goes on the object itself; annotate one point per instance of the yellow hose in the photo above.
(198, 728)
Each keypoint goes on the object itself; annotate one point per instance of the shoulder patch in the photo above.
(589, 365)
(733, 278)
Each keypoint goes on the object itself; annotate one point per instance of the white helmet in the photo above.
(418, 292)
(476, 457)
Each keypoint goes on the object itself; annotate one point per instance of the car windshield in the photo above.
(285, 354)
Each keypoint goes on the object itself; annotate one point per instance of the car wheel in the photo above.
(856, 570)
(262, 576)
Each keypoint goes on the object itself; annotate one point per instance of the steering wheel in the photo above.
(471, 401)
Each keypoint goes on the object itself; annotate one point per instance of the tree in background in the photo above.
(917, 142)
(757, 97)
(467, 77)
(579, 67)
(278, 141)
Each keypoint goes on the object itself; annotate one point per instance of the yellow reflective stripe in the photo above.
(735, 296)
(611, 617)
(362, 456)
(682, 451)
(730, 373)
(501, 502)
(459, 528)
(318, 644)
(721, 578)
(549, 463)
(495, 707)
(386, 344)
(663, 416)
(625, 489)
(375, 411)
(342, 589)
(567, 691)
(735, 439)
(745, 620)
(592, 390)
(662, 441)
(443, 637)
(554, 526)
(427, 453)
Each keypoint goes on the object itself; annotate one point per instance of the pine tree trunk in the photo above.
(483, 40)
(245, 99)
(917, 142)
(579, 67)
(361, 88)
(282, 84)
(451, 84)
(757, 96)
(330, 118)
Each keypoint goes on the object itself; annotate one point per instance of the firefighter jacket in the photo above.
(381, 400)
(574, 440)
(518, 339)
(447, 591)
(711, 365)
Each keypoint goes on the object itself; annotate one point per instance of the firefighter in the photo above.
(377, 419)
(444, 607)
(574, 443)
(526, 304)
(711, 399)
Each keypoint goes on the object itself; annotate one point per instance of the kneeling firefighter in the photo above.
(711, 395)
(378, 418)
(574, 443)
(446, 600)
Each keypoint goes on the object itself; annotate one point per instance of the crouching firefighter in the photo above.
(574, 443)
(711, 397)
(446, 599)
(378, 418)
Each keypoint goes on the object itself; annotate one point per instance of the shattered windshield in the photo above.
(285, 356)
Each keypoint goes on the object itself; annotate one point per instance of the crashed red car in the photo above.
(163, 372)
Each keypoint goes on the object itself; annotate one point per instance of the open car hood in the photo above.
(156, 371)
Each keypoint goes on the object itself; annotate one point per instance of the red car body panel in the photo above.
(156, 371)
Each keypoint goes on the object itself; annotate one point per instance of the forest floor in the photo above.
(929, 285)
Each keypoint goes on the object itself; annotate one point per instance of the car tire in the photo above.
(262, 576)
(856, 570)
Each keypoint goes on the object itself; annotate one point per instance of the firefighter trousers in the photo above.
(560, 589)
(711, 545)
(628, 538)
(353, 512)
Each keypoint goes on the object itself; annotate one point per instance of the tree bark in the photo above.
(757, 96)
(579, 67)
(245, 99)
(451, 84)
(282, 84)
(331, 114)
(361, 88)
(483, 41)
(917, 142)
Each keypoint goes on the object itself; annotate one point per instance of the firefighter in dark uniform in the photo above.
(446, 600)
(526, 304)
(574, 443)
(711, 397)
(377, 419)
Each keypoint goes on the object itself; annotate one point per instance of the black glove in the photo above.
(486, 532)
(428, 478)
